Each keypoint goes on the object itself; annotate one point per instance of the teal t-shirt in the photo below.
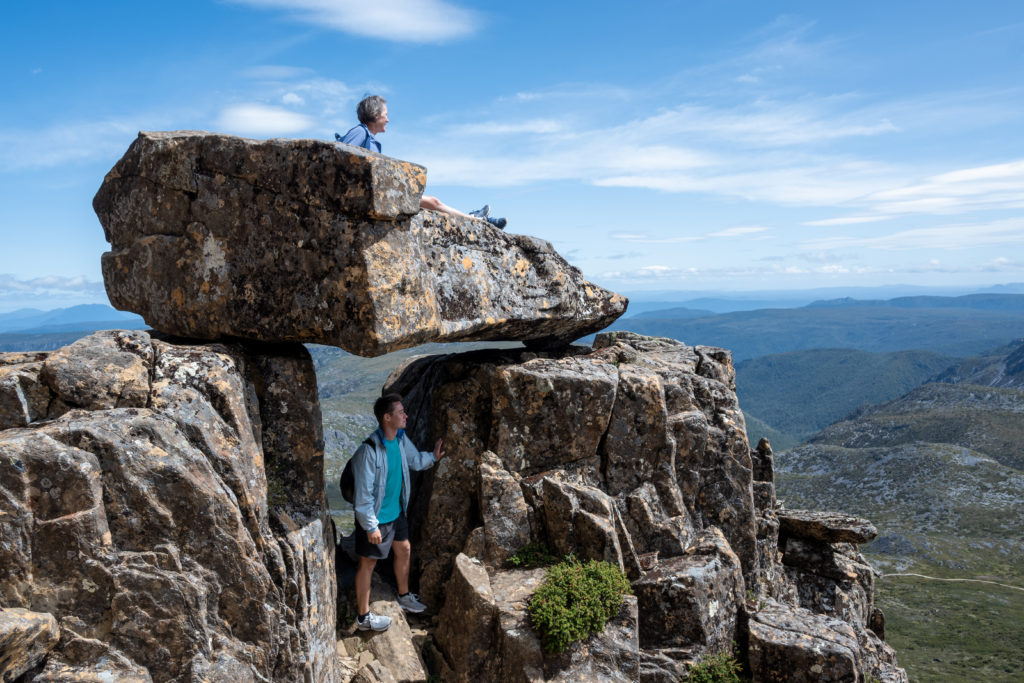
(391, 507)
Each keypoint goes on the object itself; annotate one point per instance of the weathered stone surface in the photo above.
(795, 646)
(505, 514)
(693, 600)
(136, 513)
(394, 648)
(215, 236)
(550, 418)
(828, 527)
(25, 638)
(485, 633)
(633, 452)
(87, 660)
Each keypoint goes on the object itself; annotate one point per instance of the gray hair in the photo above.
(370, 109)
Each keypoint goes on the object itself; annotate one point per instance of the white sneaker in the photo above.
(373, 622)
(410, 602)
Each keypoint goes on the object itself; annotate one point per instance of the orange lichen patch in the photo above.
(467, 262)
(205, 287)
(177, 296)
(521, 267)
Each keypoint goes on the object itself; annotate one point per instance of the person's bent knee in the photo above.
(403, 547)
(429, 202)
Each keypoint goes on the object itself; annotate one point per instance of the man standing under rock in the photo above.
(373, 119)
(381, 467)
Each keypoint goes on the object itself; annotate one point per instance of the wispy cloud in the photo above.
(992, 186)
(739, 231)
(261, 119)
(847, 220)
(68, 143)
(949, 237)
(416, 21)
(48, 292)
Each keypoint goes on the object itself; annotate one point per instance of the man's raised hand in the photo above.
(438, 453)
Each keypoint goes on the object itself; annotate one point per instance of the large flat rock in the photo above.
(215, 236)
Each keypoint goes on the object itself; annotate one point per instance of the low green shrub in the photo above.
(576, 600)
(720, 668)
(532, 555)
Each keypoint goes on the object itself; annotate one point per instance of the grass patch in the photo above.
(575, 601)
(953, 632)
(533, 555)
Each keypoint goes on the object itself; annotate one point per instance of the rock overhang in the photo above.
(214, 236)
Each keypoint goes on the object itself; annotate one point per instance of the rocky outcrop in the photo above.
(134, 494)
(25, 638)
(214, 236)
(633, 452)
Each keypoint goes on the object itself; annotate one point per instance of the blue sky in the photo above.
(659, 145)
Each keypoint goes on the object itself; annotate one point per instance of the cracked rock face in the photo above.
(134, 510)
(633, 452)
(214, 236)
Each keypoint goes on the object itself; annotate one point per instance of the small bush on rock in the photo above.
(720, 668)
(575, 601)
(532, 555)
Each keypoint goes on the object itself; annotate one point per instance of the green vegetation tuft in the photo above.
(533, 555)
(575, 601)
(719, 668)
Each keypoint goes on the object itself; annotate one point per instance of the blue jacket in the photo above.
(370, 467)
(360, 136)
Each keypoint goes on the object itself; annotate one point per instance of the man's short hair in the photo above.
(383, 405)
(370, 109)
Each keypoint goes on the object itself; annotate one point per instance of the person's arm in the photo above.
(422, 460)
(364, 472)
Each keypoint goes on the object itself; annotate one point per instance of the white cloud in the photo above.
(48, 292)
(766, 123)
(739, 231)
(263, 120)
(847, 220)
(70, 142)
(948, 237)
(417, 21)
(292, 99)
(981, 187)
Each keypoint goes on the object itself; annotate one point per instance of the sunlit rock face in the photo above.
(134, 508)
(215, 236)
(632, 452)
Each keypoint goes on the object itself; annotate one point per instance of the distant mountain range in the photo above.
(954, 326)
(84, 317)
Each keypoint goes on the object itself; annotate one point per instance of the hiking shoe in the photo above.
(483, 212)
(499, 223)
(410, 602)
(373, 622)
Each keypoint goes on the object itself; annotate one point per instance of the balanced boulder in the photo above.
(215, 236)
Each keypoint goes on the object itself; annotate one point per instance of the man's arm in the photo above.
(422, 460)
(364, 471)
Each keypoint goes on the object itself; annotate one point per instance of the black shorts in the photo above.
(397, 530)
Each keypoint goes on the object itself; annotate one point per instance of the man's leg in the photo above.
(402, 551)
(364, 574)
(435, 204)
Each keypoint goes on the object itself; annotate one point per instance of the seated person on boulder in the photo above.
(373, 119)
(381, 470)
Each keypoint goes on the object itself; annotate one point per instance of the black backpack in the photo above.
(348, 478)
